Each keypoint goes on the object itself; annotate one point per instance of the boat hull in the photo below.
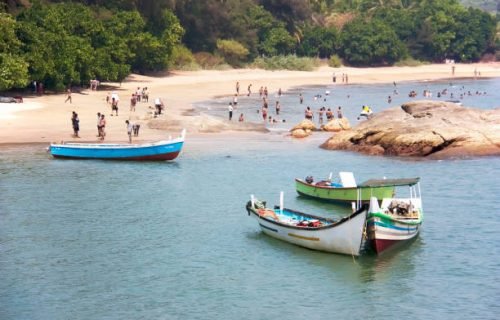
(384, 232)
(344, 237)
(150, 152)
(342, 195)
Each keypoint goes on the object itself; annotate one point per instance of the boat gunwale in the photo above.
(339, 188)
(78, 145)
(409, 221)
(335, 223)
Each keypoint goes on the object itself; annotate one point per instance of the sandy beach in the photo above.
(46, 118)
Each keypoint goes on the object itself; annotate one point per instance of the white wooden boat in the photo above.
(344, 235)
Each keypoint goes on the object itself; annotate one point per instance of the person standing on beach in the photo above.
(235, 100)
(237, 87)
(158, 105)
(130, 127)
(136, 128)
(133, 101)
(114, 106)
(301, 98)
(102, 126)
(278, 108)
(138, 94)
(75, 122)
(98, 124)
(249, 90)
(230, 109)
(68, 96)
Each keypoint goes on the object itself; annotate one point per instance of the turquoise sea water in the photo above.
(119, 240)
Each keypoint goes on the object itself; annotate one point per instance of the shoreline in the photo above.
(181, 90)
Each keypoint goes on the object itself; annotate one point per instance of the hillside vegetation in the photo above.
(63, 43)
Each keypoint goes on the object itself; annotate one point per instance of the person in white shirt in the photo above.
(130, 127)
(158, 105)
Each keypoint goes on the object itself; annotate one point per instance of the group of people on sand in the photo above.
(113, 99)
(345, 78)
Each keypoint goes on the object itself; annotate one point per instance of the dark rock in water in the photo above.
(429, 129)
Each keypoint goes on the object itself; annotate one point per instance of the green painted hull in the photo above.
(343, 195)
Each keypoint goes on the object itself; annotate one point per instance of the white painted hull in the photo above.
(344, 237)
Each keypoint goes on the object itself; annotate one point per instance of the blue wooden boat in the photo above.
(159, 151)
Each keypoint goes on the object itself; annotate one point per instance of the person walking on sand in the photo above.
(230, 109)
(68, 96)
(249, 90)
(75, 122)
(130, 128)
(237, 87)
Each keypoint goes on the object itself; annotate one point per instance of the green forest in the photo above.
(64, 43)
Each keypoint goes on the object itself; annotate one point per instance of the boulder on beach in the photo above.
(336, 125)
(430, 129)
(305, 125)
(303, 129)
(300, 133)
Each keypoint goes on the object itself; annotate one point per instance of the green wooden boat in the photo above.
(347, 191)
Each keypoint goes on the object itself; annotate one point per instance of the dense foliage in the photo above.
(62, 43)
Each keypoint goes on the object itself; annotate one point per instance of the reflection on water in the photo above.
(400, 259)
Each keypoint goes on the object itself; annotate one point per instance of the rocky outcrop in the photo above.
(424, 129)
(336, 125)
(303, 129)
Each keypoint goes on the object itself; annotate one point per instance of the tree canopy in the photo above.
(62, 43)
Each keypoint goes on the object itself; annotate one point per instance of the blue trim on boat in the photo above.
(266, 227)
